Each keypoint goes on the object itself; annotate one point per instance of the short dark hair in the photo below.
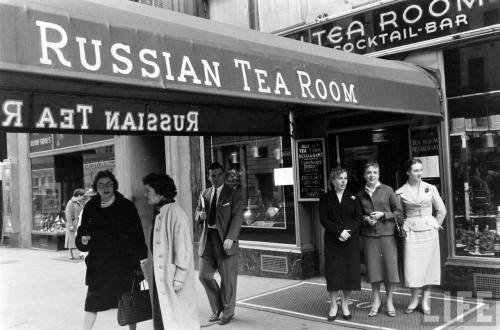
(105, 174)
(370, 164)
(78, 192)
(162, 184)
(214, 166)
(410, 162)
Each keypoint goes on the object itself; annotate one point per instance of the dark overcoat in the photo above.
(342, 259)
(117, 241)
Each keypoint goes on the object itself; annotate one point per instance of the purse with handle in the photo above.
(134, 306)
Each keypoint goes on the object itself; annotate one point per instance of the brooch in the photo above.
(353, 197)
(426, 190)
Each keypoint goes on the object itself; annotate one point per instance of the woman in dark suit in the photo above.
(381, 209)
(341, 215)
(111, 232)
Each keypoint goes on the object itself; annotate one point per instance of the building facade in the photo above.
(281, 168)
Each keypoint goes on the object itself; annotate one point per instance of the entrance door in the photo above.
(386, 146)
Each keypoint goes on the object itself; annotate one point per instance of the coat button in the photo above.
(158, 242)
(157, 228)
(160, 255)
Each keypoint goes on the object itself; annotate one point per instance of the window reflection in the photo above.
(250, 163)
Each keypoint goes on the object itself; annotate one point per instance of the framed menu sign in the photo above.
(312, 168)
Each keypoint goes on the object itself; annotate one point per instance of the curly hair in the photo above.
(105, 174)
(337, 171)
(162, 184)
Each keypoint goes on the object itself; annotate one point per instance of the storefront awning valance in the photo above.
(122, 42)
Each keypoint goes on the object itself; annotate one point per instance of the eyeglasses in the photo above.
(105, 185)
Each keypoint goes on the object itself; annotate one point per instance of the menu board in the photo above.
(312, 168)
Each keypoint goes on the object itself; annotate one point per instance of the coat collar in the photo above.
(410, 195)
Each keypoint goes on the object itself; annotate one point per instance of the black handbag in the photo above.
(400, 232)
(134, 306)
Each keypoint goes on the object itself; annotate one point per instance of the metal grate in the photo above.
(275, 264)
(310, 300)
(487, 283)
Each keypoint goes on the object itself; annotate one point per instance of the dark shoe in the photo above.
(332, 318)
(225, 319)
(215, 316)
(347, 317)
(391, 313)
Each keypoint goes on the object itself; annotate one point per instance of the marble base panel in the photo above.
(299, 265)
(461, 278)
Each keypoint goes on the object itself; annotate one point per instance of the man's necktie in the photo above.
(213, 209)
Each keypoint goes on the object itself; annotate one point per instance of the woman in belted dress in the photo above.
(422, 262)
(341, 215)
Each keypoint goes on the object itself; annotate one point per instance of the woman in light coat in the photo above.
(422, 262)
(72, 212)
(170, 265)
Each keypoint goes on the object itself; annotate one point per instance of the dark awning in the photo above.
(125, 43)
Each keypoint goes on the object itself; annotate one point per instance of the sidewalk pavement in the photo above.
(45, 290)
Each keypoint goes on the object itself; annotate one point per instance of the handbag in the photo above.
(400, 232)
(134, 306)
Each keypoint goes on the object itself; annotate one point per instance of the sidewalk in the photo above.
(44, 290)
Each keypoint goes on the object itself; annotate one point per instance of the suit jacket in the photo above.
(384, 200)
(418, 210)
(228, 217)
(336, 217)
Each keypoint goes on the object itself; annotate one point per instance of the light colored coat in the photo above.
(418, 208)
(172, 252)
(72, 212)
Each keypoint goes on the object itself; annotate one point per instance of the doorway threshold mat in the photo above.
(310, 300)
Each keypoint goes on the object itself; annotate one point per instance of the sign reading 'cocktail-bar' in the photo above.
(400, 24)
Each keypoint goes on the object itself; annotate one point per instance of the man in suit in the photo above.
(219, 211)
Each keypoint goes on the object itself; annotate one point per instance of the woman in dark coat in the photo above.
(111, 232)
(341, 215)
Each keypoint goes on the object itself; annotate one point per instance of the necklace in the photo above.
(108, 203)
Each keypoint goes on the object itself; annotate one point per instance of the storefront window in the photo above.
(257, 166)
(46, 196)
(475, 148)
(54, 178)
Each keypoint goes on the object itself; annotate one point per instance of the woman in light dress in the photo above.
(422, 262)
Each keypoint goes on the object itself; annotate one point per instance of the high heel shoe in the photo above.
(332, 318)
(346, 316)
(410, 310)
(374, 312)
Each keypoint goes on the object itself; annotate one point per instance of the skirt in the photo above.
(103, 297)
(342, 265)
(422, 260)
(381, 259)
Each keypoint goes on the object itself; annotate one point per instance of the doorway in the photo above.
(388, 146)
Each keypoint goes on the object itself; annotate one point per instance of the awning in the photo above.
(125, 43)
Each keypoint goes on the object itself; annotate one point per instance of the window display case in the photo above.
(257, 166)
(475, 164)
(473, 97)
